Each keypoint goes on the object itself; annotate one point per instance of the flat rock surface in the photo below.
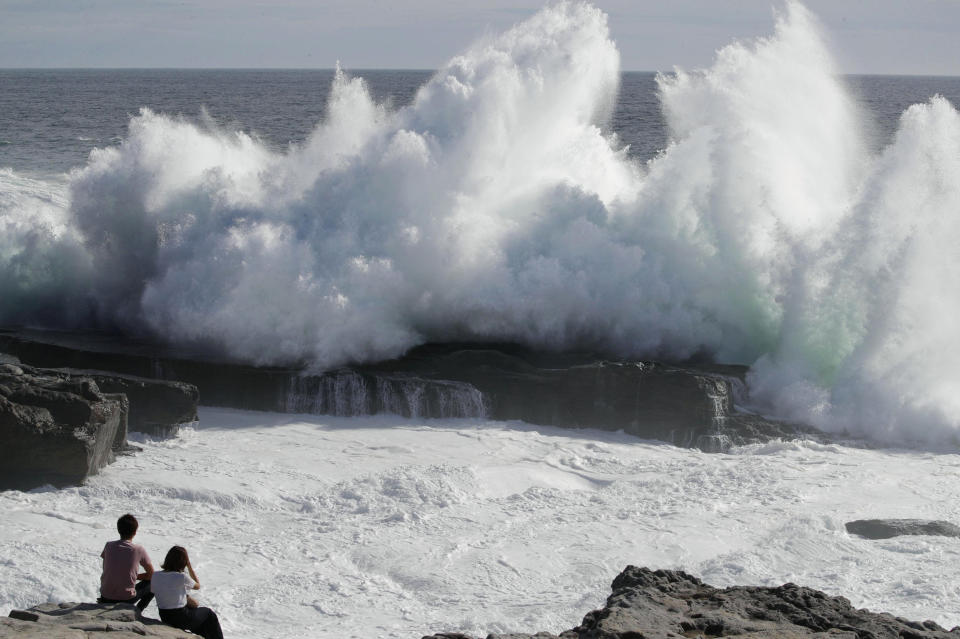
(887, 528)
(84, 621)
(657, 604)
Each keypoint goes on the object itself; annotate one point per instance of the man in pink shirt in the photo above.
(122, 581)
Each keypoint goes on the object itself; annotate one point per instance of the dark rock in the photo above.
(657, 604)
(221, 381)
(887, 528)
(157, 407)
(55, 429)
(684, 405)
(49, 417)
(24, 615)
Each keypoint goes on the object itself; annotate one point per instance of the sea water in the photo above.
(766, 210)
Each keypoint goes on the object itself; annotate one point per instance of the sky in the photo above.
(868, 36)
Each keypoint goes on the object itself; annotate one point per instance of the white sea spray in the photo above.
(496, 206)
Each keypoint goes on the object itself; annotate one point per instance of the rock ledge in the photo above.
(84, 621)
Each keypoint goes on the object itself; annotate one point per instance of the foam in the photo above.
(496, 207)
(310, 526)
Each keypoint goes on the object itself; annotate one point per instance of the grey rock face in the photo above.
(55, 430)
(60, 426)
(683, 405)
(157, 407)
(657, 604)
(887, 528)
(688, 406)
(84, 621)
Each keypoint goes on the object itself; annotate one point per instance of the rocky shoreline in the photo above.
(60, 424)
(688, 405)
(644, 604)
(662, 604)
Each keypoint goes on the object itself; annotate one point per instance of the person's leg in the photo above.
(205, 623)
(144, 595)
(212, 629)
(176, 617)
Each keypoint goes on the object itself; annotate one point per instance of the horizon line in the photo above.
(399, 69)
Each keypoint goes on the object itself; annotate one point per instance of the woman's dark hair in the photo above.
(176, 559)
(127, 526)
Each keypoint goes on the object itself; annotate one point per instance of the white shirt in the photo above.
(171, 589)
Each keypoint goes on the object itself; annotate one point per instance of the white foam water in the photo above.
(495, 207)
(307, 526)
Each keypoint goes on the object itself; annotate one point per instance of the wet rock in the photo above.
(57, 425)
(887, 528)
(157, 407)
(55, 429)
(84, 621)
(657, 604)
(690, 406)
(686, 405)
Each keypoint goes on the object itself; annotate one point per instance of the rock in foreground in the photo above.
(84, 621)
(648, 604)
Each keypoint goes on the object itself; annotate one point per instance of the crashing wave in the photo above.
(497, 207)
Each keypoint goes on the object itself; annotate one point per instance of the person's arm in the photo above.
(191, 602)
(147, 573)
(193, 575)
(147, 566)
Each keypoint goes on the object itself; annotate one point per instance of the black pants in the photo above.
(201, 621)
(142, 598)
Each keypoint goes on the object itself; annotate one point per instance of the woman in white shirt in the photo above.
(177, 609)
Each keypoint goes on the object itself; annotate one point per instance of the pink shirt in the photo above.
(121, 563)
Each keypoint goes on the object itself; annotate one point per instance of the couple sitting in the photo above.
(122, 582)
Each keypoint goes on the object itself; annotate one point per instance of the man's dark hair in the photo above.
(127, 526)
(176, 559)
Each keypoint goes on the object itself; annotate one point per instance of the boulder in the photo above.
(887, 528)
(84, 621)
(54, 429)
(657, 604)
(55, 424)
(157, 407)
